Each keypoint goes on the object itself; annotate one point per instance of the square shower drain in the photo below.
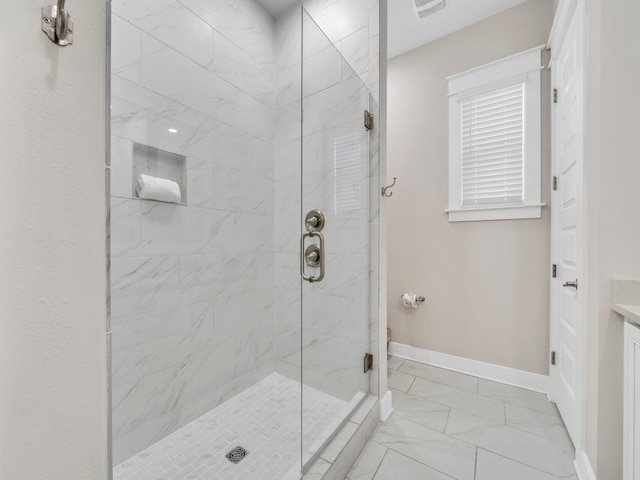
(237, 454)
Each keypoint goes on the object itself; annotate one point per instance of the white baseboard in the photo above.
(489, 371)
(583, 466)
(386, 406)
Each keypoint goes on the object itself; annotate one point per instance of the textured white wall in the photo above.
(486, 283)
(53, 405)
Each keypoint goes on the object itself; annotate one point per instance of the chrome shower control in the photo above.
(312, 255)
(314, 221)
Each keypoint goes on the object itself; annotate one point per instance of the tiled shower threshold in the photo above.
(265, 420)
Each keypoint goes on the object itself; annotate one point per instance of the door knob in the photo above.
(571, 284)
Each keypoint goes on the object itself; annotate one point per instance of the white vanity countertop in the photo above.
(625, 296)
(630, 312)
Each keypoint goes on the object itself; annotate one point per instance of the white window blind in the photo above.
(492, 136)
(347, 167)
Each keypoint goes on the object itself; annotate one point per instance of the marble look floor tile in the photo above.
(472, 403)
(440, 375)
(546, 426)
(517, 396)
(494, 467)
(420, 410)
(400, 381)
(440, 452)
(536, 452)
(394, 363)
(366, 466)
(398, 467)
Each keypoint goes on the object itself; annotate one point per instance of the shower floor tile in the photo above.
(264, 419)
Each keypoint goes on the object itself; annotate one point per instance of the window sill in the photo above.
(507, 212)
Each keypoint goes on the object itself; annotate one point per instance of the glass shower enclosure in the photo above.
(242, 312)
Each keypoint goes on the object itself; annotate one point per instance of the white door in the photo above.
(567, 289)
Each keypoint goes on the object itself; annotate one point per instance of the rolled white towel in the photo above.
(409, 300)
(155, 188)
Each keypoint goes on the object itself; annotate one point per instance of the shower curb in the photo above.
(335, 466)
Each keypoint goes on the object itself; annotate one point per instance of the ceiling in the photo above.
(407, 31)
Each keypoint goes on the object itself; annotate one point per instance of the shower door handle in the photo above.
(313, 255)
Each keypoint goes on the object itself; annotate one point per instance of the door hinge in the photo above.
(554, 270)
(368, 120)
(555, 95)
(553, 358)
(555, 183)
(368, 362)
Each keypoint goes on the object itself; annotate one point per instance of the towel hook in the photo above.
(384, 189)
(57, 24)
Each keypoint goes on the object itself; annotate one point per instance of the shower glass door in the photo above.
(335, 242)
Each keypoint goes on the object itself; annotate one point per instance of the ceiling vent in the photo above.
(425, 8)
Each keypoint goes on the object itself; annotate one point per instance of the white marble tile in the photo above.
(350, 276)
(373, 74)
(244, 22)
(169, 73)
(374, 17)
(121, 167)
(288, 85)
(140, 285)
(288, 39)
(546, 426)
(125, 227)
(352, 15)
(240, 69)
(419, 410)
(494, 467)
(339, 316)
(440, 452)
(288, 123)
(440, 375)
(366, 466)
(242, 315)
(321, 70)
(287, 271)
(400, 381)
(230, 189)
(355, 49)
(532, 450)
(337, 445)
(394, 363)
(472, 403)
(335, 106)
(399, 467)
(517, 396)
(254, 117)
(126, 49)
(207, 277)
(171, 23)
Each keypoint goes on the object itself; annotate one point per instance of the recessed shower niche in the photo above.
(159, 163)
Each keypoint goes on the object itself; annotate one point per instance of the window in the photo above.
(494, 140)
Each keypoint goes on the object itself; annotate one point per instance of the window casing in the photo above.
(494, 140)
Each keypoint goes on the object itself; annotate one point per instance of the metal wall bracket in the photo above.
(368, 362)
(57, 24)
(368, 120)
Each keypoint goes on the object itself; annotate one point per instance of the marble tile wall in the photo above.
(192, 284)
(353, 26)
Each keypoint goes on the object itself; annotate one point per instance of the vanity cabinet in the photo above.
(631, 443)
